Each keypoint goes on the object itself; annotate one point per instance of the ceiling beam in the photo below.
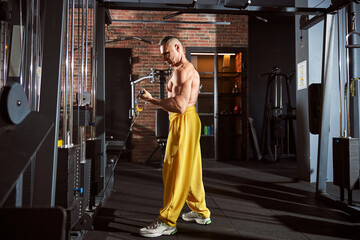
(215, 9)
(171, 22)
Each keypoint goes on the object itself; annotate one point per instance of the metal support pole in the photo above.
(82, 55)
(340, 76)
(65, 82)
(31, 61)
(71, 127)
(326, 79)
(19, 191)
(85, 46)
(281, 79)
(216, 108)
(28, 184)
(354, 71)
(162, 81)
(3, 52)
(132, 110)
(37, 58)
(82, 131)
(276, 96)
(93, 73)
(100, 87)
(46, 162)
(21, 74)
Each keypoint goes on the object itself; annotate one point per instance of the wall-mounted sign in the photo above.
(301, 75)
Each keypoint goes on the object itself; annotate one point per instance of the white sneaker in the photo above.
(156, 229)
(193, 216)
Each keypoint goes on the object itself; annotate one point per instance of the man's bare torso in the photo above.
(174, 82)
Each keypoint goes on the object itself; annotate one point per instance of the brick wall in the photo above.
(146, 56)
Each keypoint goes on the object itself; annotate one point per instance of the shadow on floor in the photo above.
(248, 200)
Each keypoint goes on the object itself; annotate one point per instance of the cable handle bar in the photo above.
(141, 92)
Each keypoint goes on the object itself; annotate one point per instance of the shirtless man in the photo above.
(182, 170)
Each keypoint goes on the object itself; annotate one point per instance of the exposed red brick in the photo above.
(192, 35)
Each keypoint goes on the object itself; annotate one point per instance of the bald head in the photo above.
(170, 40)
(172, 51)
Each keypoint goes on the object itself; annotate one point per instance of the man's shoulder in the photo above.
(188, 69)
(189, 66)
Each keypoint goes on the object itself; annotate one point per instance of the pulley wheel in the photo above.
(14, 103)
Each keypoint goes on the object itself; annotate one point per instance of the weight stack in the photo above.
(346, 162)
(93, 152)
(84, 185)
(67, 183)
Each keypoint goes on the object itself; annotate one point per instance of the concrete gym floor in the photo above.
(248, 200)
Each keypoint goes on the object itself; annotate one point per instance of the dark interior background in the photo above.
(270, 44)
(117, 92)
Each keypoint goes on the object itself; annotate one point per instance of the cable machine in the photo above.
(26, 125)
(35, 45)
(161, 118)
(346, 146)
(277, 135)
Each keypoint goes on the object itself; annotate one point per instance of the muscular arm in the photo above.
(181, 95)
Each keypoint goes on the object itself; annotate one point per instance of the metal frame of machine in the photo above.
(44, 67)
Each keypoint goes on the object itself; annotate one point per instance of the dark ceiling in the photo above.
(288, 3)
(259, 9)
(277, 7)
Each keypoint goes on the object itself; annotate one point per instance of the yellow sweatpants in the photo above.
(182, 171)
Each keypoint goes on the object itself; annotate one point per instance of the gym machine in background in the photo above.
(82, 127)
(277, 135)
(25, 127)
(161, 117)
(52, 77)
(345, 146)
(74, 185)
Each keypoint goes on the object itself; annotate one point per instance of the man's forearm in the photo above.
(168, 104)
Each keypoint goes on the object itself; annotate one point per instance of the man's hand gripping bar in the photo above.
(141, 92)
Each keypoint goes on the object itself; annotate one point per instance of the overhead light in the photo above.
(211, 54)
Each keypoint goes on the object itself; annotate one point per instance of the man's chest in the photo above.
(171, 83)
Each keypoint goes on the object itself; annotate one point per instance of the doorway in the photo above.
(222, 102)
(117, 94)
